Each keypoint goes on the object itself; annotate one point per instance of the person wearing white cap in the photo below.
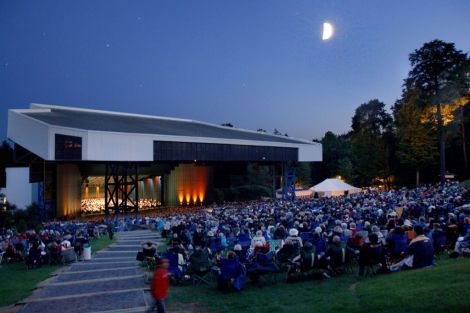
(65, 244)
(294, 237)
(258, 240)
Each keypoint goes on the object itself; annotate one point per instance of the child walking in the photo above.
(160, 286)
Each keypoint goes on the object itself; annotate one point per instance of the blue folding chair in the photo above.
(306, 237)
(264, 264)
(400, 243)
(231, 269)
(244, 240)
(439, 239)
(174, 268)
(359, 227)
(216, 245)
(319, 246)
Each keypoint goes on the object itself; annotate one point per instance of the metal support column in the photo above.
(274, 182)
(288, 182)
(121, 187)
(162, 189)
(111, 182)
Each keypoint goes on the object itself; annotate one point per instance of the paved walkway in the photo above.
(111, 282)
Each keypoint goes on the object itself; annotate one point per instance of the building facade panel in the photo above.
(192, 151)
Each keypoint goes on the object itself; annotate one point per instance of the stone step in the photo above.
(148, 235)
(135, 233)
(96, 274)
(101, 265)
(87, 287)
(124, 248)
(116, 254)
(86, 303)
(81, 272)
(106, 251)
(130, 310)
(133, 242)
(111, 259)
(92, 280)
(139, 240)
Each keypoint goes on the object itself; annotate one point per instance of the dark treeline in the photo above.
(423, 137)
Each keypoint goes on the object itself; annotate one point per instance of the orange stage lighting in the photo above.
(191, 182)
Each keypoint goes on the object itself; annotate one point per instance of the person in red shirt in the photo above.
(160, 286)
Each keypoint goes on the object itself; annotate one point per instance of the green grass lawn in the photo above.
(17, 283)
(444, 288)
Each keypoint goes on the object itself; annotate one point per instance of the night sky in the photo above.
(256, 64)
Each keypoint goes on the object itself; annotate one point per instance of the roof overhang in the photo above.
(116, 136)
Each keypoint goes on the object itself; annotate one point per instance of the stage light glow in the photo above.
(191, 183)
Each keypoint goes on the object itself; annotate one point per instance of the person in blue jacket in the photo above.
(419, 254)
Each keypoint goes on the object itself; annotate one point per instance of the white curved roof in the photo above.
(117, 136)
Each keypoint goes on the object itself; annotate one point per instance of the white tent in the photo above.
(333, 187)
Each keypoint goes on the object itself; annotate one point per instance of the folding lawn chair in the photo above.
(200, 266)
(263, 265)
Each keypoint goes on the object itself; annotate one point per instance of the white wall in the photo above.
(310, 153)
(18, 191)
(109, 146)
(29, 133)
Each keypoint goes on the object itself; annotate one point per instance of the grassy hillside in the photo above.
(445, 287)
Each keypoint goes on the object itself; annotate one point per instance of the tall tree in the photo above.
(416, 144)
(372, 142)
(346, 169)
(335, 148)
(371, 118)
(436, 67)
(304, 173)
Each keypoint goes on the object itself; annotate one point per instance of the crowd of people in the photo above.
(94, 206)
(379, 230)
(382, 231)
(55, 243)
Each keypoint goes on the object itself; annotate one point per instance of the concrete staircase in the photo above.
(112, 281)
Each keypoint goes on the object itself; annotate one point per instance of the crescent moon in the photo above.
(328, 31)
